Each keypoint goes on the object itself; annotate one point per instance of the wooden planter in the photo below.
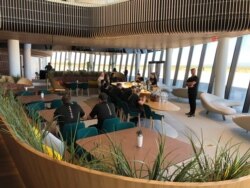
(39, 170)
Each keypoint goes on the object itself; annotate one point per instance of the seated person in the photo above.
(126, 93)
(100, 79)
(104, 86)
(116, 92)
(68, 113)
(153, 79)
(103, 110)
(138, 78)
(113, 77)
(135, 103)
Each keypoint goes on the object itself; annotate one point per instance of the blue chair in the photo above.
(69, 131)
(109, 125)
(149, 114)
(86, 132)
(73, 87)
(56, 104)
(24, 93)
(34, 107)
(124, 125)
(84, 86)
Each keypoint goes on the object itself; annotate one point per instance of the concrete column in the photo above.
(137, 63)
(167, 67)
(221, 67)
(27, 62)
(91, 61)
(14, 58)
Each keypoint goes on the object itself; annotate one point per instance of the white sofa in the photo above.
(213, 103)
(183, 93)
(242, 121)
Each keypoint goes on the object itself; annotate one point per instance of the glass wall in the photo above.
(207, 66)
(74, 61)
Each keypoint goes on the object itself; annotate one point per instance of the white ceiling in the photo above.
(142, 41)
(90, 3)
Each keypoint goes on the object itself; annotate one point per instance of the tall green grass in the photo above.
(227, 162)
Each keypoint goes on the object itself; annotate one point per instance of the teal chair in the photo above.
(109, 125)
(56, 104)
(33, 108)
(149, 114)
(73, 87)
(124, 125)
(69, 131)
(84, 86)
(86, 132)
(25, 93)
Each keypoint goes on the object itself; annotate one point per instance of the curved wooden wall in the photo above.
(39, 170)
(127, 18)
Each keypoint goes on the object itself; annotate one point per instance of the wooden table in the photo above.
(163, 106)
(34, 98)
(99, 146)
(126, 84)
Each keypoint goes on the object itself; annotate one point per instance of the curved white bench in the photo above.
(242, 121)
(213, 103)
(183, 93)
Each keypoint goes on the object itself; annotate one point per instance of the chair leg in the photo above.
(151, 123)
(224, 118)
(128, 118)
(139, 120)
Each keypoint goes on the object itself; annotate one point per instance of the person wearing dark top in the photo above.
(135, 103)
(126, 93)
(116, 92)
(103, 110)
(48, 67)
(153, 79)
(192, 84)
(126, 74)
(113, 77)
(69, 112)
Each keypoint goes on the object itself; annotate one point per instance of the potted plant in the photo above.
(139, 138)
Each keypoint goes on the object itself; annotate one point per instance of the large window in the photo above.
(97, 61)
(207, 66)
(242, 73)
(183, 65)
(174, 61)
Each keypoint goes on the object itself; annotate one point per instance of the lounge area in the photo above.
(81, 175)
(94, 93)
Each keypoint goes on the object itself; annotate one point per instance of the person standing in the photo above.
(126, 75)
(192, 84)
(153, 79)
(48, 67)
